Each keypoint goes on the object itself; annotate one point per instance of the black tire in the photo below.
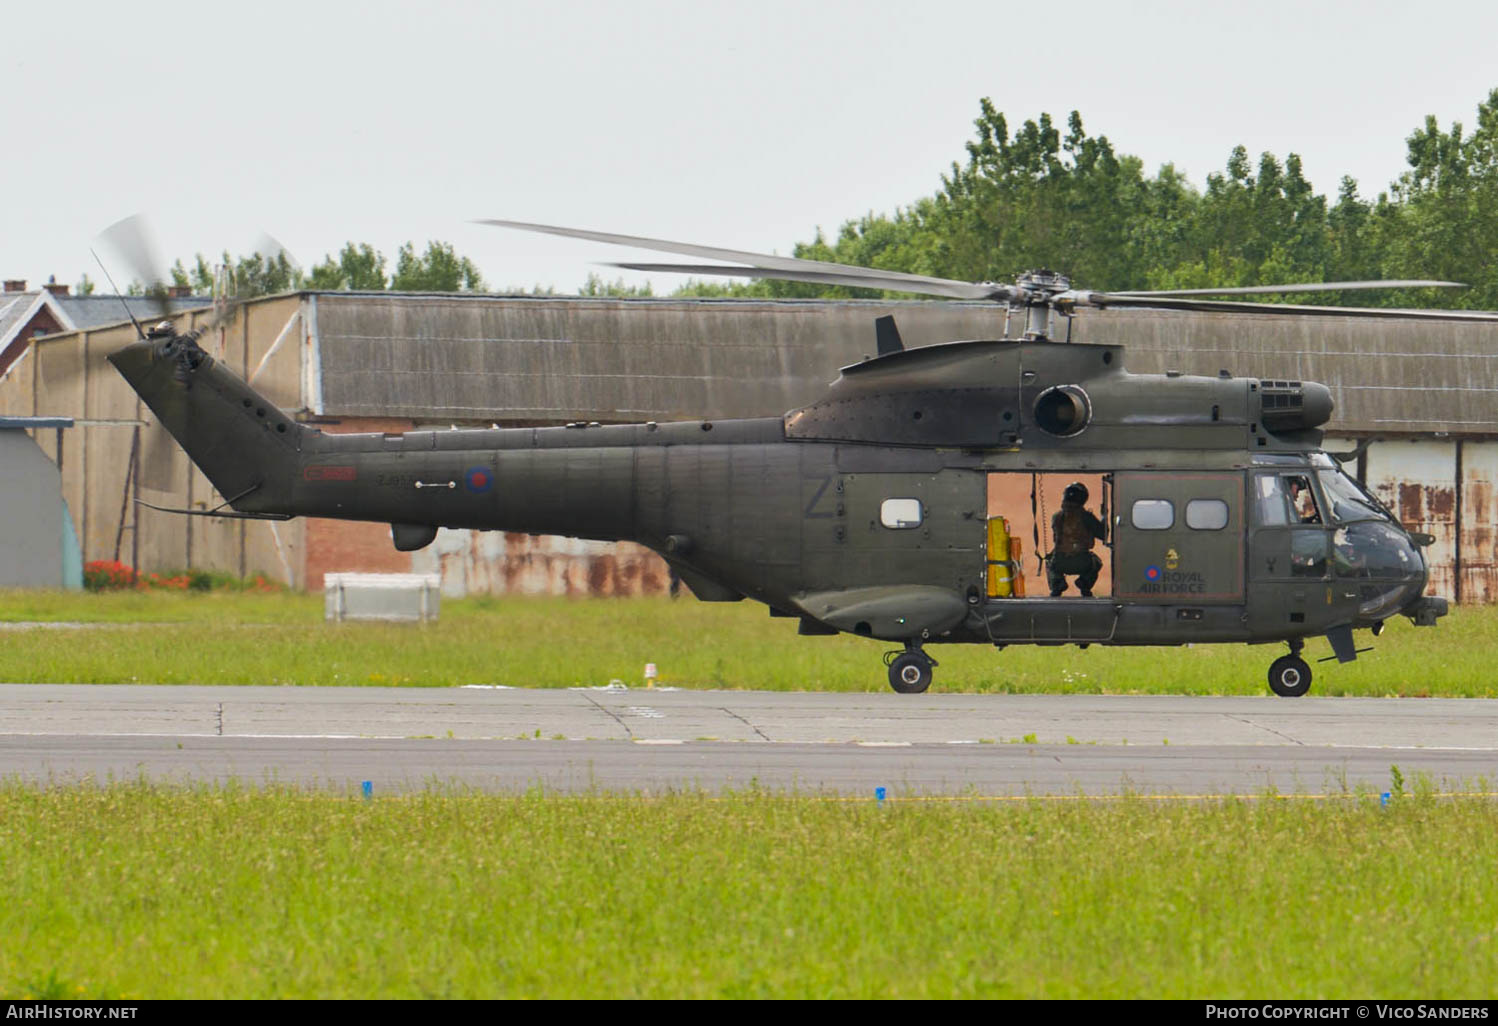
(1289, 676)
(910, 673)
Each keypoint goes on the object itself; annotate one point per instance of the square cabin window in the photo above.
(1206, 514)
(900, 513)
(1153, 515)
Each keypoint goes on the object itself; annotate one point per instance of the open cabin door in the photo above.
(1179, 537)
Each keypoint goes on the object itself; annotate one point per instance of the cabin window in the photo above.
(1153, 515)
(900, 513)
(1206, 514)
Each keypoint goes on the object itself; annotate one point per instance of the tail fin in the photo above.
(245, 445)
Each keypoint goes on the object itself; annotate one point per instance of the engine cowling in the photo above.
(1293, 405)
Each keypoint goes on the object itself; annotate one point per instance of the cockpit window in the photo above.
(1271, 505)
(1302, 499)
(1281, 499)
(1375, 550)
(1347, 500)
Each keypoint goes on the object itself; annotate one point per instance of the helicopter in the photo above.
(867, 512)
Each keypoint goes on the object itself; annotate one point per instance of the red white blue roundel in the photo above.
(1151, 573)
(479, 479)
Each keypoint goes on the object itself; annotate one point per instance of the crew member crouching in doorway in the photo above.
(1074, 529)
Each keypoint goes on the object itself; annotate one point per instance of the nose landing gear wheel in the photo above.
(910, 672)
(1289, 676)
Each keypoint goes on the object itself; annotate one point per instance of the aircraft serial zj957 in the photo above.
(867, 511)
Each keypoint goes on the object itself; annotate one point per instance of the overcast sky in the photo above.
(746, 125)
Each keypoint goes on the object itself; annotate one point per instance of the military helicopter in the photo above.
(867, 512)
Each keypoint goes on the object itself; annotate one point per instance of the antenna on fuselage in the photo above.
(138, 332)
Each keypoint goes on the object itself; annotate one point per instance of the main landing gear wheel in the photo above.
(910, 672)
(1289, 676)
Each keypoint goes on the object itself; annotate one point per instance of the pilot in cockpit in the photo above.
(1303, 501)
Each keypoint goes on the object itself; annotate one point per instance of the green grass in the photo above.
(149, 892)
(245, 638)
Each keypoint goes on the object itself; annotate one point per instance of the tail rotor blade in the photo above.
(131, 242)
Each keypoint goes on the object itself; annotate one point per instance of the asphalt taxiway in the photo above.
(652, 740)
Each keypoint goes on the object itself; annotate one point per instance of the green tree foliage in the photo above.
(248, 277)
(1442, 220)
(439, 269)
(257, 275)
(359, 268)
(199, 279)
(1046, 197)
(596, 286)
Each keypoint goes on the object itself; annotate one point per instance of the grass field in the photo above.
(247, 638)
(137, 891)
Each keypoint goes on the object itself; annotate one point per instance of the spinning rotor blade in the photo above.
(1033, 289)
(271, 248)
(763, 264)
(1105, 300)
(130, 240)
(1310, 286)
(158, 455)
(892, 280)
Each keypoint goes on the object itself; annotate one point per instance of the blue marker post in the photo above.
(1383, 799)
(879, 795)
(368, 788)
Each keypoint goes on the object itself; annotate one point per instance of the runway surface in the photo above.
(654, 740)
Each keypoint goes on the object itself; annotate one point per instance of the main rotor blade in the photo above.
(893, 281)
(876, 279)
(1105, 300)
(1322, 286)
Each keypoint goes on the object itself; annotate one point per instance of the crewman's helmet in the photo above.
(1075, 492)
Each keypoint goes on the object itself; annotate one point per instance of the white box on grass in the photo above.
(416, 597)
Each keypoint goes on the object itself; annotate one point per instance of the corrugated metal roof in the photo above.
(462, 357)
(1386, 376)
(97, 311)
(551, 358)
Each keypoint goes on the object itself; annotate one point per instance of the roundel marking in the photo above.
(1152, 573)
(479, 479)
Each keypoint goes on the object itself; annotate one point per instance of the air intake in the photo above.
(1063, 410)
(1293, 405)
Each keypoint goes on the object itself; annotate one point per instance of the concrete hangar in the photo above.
(393, 362)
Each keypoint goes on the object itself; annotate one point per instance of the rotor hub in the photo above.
(1041, 286)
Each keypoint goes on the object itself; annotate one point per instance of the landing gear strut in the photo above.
(1289, 676)
(910, 670)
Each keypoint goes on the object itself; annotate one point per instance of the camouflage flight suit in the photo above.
(1074, 529)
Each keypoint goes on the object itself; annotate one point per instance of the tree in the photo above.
(257, 275)
(358, 268)
(199, 279)
(596, 286)
(439, 269)
(1442, 220)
